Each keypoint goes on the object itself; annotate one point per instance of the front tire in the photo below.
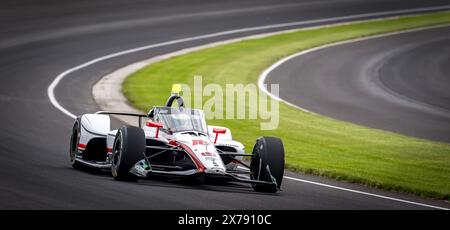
(267, 163)
(128, 149)
(74, 140)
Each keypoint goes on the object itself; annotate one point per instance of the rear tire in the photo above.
(128, 149)
(268, 155)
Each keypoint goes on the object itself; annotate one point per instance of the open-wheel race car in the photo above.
(174, 141)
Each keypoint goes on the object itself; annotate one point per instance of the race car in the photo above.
(174, 141)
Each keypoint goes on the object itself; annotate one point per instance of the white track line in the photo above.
(365, 193)
(57, 80)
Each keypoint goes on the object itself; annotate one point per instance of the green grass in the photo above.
(314, 144)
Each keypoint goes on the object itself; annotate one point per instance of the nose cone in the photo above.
(210, 158)
(206, 152)
(213, 163)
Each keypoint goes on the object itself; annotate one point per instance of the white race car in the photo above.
(175, 142)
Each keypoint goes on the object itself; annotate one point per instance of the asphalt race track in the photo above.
(41, 39)
(399, 83)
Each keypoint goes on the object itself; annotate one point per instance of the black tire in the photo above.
(74, 140)
(268, 153)
(128, 149)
